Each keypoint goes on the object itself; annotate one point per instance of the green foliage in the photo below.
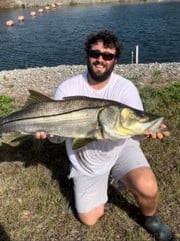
(6, 104)
(157, 74)
(73, 3)
(162, 100)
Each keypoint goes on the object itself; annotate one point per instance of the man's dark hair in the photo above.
(108, 38)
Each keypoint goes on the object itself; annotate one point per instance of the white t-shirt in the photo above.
(98, 157)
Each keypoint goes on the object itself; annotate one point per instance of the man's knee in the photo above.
(142, 181)
(148, 188)
(91, 217)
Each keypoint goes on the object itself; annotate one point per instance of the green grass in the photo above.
(37, 198)
(6, 105)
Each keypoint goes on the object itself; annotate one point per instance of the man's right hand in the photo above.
(40, 135)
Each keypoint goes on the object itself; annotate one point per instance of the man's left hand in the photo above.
(161, 134)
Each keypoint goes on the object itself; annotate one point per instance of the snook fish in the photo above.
(82, 118)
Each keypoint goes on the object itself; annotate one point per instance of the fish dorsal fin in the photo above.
(37, 97)
(80, 142)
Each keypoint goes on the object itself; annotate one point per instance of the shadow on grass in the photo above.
(53, 156)
(3, 235)
(116, 198)
(33, 152)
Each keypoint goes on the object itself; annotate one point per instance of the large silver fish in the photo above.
(82, 118)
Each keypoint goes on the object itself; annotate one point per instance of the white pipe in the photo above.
(137, 54)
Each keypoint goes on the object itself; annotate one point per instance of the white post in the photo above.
(137, 54)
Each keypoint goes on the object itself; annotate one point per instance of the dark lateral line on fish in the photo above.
(46, 116)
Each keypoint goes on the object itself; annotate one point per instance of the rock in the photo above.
(15, 83)
(32, 3)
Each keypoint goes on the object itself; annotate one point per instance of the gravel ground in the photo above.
(15, 83)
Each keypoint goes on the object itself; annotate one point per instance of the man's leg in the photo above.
(141, 182)
(134, 180)
(90, 197)
(91, 217)
(133, 170)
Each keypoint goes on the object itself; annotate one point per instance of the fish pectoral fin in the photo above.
(80, 142)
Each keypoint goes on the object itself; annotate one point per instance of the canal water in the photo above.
(56, 37)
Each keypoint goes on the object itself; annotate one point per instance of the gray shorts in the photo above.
(91, 192)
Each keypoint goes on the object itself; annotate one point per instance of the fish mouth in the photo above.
(154, 125)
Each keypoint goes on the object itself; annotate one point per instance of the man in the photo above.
(123, 159)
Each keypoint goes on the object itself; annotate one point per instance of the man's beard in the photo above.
(99, 77)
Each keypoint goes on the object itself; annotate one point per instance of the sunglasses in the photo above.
(96, 54)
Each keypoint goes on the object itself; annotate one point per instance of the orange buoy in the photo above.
(47, 7)
(20, 18)
(9, 23)
(33, 14)
(40, 10)
(53, 5)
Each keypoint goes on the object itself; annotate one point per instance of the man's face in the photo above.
(101, 62)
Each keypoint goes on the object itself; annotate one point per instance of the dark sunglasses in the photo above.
(96, 54)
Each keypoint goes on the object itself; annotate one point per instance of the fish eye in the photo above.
(143, 117)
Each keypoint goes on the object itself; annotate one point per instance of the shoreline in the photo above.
(15, 83)
(58, 3)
